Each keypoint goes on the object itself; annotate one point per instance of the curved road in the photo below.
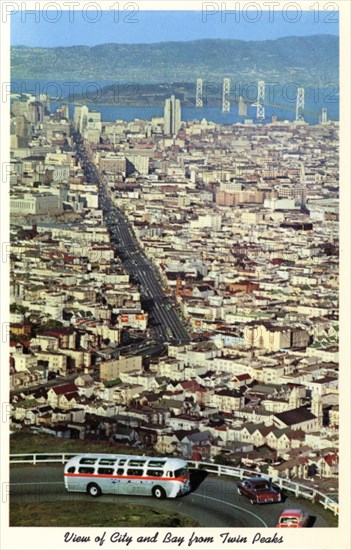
(214, 503)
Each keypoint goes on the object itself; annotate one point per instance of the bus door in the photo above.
(136, 483)
(118, 481)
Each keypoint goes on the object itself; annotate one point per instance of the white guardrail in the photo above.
(298, 489)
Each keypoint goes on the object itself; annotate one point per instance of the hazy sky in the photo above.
(64, 28)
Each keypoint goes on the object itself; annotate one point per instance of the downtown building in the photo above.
(172, 116)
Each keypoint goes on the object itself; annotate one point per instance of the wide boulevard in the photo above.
(166, 324)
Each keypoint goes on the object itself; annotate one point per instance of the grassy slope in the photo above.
(58, 514)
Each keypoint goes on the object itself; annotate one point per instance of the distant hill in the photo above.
(303, 60)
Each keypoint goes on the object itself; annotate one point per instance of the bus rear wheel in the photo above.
(93, 490)
(159, 492)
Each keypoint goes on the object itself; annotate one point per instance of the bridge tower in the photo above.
(199, 96)
(324, 115)
(300, 104)
(260, 110)
(225, 95)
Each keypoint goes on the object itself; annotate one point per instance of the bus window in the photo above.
(107, 461)
(122, 461)
(134, 472)
(154, 473)
(105, 471)
(133, 462)
(169, 474)
(156, 463)
(86, 470)
(87, 461)
(71, 470)
(120, 471)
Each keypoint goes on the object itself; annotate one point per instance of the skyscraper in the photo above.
(172, 116)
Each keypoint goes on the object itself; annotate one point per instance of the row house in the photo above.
(56, 361)
(227, 400)
(193, 389)
(26, 379)
(61, 396)
(251, 433)
(22, 362)
(124, 393)
(168, 443)
(285, 439)
(184, 422)
(274, 338)
(296, 467)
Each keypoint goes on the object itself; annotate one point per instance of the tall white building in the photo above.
(172, 116)
(80, 117)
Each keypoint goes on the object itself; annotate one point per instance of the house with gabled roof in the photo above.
(58, 395)
(284, 439)
(253, 433)
(295, 467)
(240, 381)
(193, 388)
(197, 439)
(329, 464)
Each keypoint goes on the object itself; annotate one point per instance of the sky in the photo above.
(78, 27)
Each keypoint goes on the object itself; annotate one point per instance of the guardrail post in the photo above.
(34, 459)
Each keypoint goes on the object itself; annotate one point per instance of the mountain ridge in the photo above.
(305, 60)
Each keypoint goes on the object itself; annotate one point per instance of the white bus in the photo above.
(127, 475)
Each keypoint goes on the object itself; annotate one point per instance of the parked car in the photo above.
(259, 490)
(293, 518)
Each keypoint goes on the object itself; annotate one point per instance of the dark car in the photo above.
(259, 490)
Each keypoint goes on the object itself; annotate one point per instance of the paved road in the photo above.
(167, 326)
(214, 502)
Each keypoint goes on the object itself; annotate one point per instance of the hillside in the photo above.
(303, 60)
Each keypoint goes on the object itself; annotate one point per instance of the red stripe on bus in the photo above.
(153, 478)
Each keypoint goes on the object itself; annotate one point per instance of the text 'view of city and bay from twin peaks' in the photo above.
(174, 275)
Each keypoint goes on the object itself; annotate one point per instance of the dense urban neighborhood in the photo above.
(174, 286)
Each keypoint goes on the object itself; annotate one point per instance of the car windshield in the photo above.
(288, 520)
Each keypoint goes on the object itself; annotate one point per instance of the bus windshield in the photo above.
(181, 472)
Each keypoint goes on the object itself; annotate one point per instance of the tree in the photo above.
(52, 324)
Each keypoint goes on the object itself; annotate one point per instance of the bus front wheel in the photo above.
(158, 492)
(93, 490)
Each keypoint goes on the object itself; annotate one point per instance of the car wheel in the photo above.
(93, 490)
(158, 492)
